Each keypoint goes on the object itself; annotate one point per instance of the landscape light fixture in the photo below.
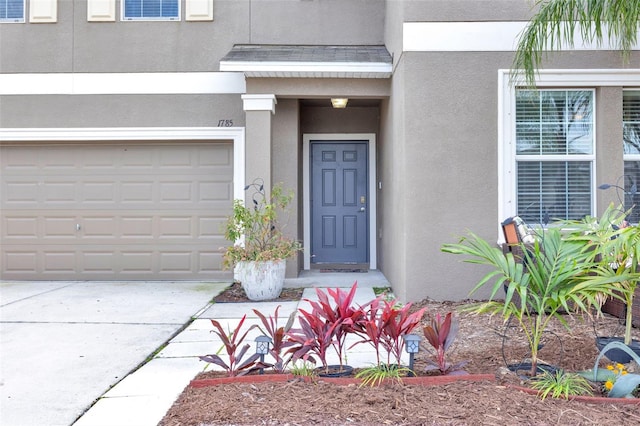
(411, 346)
(609, 185)
(339, 102)
(262, 348)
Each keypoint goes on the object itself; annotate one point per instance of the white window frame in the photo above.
(151, 18)
(558, 78)
(543, 158)
(16, 20)
(625, 156)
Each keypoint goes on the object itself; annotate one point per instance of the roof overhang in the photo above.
(285, 61)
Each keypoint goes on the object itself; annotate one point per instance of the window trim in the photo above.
(630, 157)
(17, 20)
(591, 158)
(550, 78)
(123, 18)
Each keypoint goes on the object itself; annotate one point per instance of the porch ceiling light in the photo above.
(339, 102)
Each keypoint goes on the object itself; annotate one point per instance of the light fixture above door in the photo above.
(339, 102)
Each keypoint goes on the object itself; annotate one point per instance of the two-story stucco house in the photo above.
(127, 127)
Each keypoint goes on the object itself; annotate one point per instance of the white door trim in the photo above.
(306, 187)
(236, 134)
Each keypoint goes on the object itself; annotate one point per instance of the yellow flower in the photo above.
(608, 385)
(623, 373)
(609, 367)
(619, 366)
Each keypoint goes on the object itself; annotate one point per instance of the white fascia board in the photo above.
(122, 83)
(306, 67)
(500, 36)
(460, 36)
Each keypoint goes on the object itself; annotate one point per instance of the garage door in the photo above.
(122, 211)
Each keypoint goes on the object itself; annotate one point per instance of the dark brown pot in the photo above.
(616, 355)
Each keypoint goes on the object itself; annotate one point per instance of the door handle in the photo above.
(361, 209)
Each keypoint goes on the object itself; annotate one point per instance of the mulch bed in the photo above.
(485, 342)
(235, 294)
(296, 403)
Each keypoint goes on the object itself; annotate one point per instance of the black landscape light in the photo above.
(411, 346)
(262, 348)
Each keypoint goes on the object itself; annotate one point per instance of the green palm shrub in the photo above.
(560, 276)
(617, 248)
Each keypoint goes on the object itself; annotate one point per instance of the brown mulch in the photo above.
(485, 342)
(235, 294)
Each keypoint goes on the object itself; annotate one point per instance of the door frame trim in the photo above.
(307, 138)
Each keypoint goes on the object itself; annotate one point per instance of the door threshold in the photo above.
(341, 267)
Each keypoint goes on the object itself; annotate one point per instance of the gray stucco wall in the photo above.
(119, 110)
(393, 228)
(286, 161)
(72, 44)
(436, 124)
(449, 164)
(464, 10)
(447, 180)
(317, 21)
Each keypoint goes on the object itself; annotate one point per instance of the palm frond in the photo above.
(554, 26)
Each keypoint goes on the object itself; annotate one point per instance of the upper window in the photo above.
(151, 9)
(631, 146)
(554, 154)
(11, 10)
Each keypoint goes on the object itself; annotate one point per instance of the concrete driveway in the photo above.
(63, 344)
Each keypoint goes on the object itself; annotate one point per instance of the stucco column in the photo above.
(258, 111)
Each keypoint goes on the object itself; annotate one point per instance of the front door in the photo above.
(339, 202)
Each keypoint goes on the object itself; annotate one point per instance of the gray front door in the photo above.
(339, 202)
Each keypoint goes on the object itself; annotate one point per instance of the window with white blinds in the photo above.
(11, 10)
(631, 146)
(554, 154)
(151, 9)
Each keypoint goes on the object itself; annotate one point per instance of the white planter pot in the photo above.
(261, 280)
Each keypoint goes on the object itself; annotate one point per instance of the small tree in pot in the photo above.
(260, 248)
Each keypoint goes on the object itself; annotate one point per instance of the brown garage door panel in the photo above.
(145, 211)
(97, 263)
(68, 227)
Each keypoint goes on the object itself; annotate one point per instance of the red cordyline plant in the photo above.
(327, 325)
(384, 324)
(232, 342)
(440, 334)
(277, 335)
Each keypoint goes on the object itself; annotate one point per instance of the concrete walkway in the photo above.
(65, 345)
